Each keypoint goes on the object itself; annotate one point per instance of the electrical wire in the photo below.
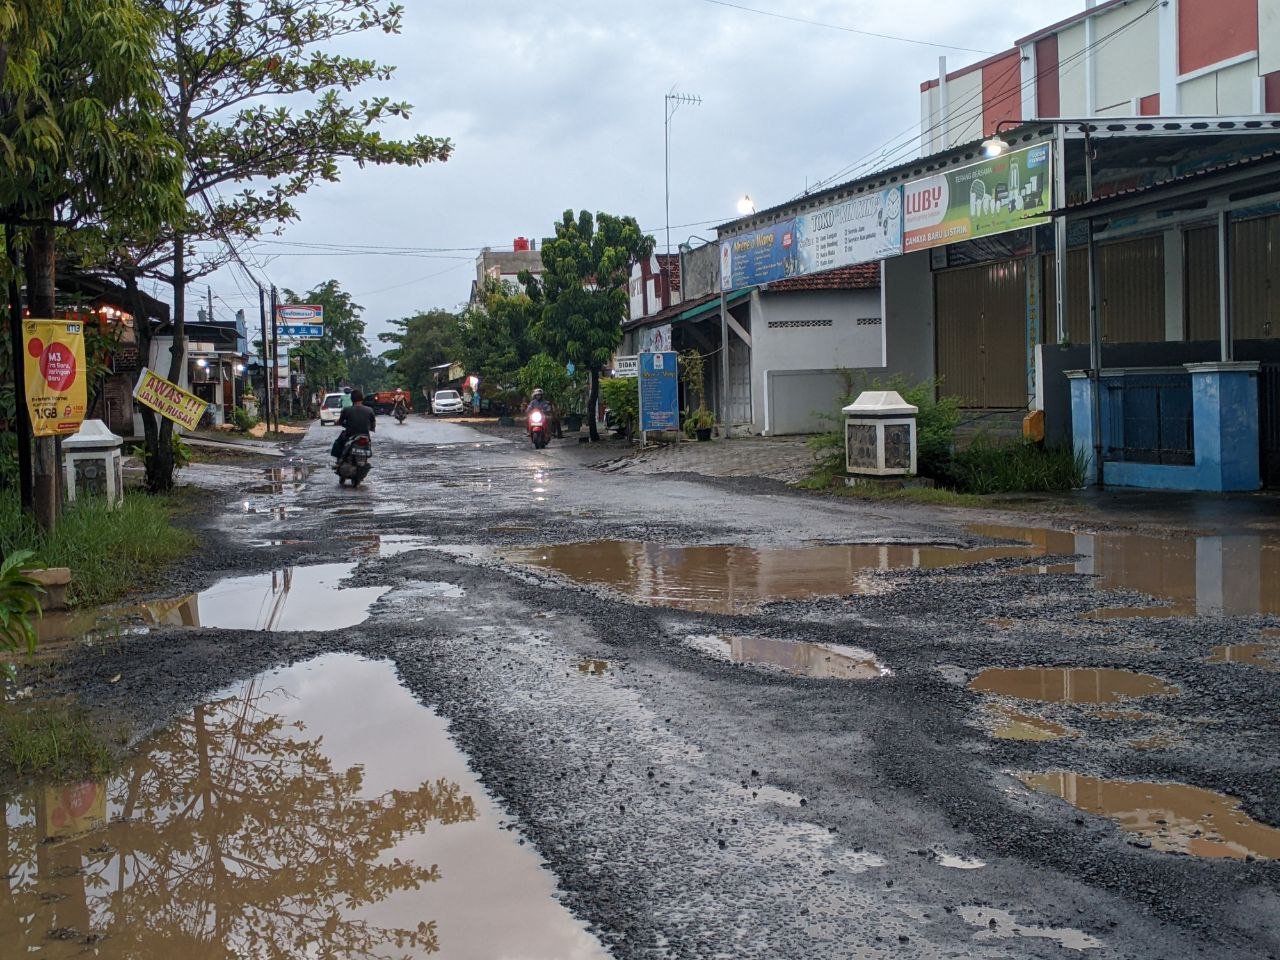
(844, 29)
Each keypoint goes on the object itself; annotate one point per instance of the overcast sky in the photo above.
(553, 104)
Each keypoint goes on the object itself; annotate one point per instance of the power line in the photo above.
(844, 29)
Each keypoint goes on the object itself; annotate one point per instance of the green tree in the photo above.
(327, 361)
(256, 97)
(581, 296)
(418, 343)
(495, 335)
(84, 146)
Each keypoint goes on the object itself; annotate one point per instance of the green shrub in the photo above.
(242, 421)
(181, 452)
(111, 552)
(1016, 468)
(19, 605)
(622, 396)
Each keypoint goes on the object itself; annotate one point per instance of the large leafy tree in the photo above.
(582, 294)
(83, 146)
(328, 361)
(418, 343)
(255, 93)
(495, 334)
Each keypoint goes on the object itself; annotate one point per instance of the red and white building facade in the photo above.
(1120, 58)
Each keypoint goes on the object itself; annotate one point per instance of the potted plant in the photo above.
(697, 423)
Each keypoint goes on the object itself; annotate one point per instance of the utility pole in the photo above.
(19, 376)
(266, 345)
(671, 103)
(275, 355)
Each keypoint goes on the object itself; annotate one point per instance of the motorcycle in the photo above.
(354, 463)
(399, 414)
(538, 428)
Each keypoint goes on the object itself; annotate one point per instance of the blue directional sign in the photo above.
(659, 392)
(302, 331)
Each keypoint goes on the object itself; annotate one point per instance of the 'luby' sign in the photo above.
(169, 400)
(992, 196)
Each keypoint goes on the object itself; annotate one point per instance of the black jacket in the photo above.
(357, 420)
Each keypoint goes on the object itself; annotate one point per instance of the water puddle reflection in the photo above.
(1206, 576)
(1171, 817)
(1069, 684)
(1001, 925)
(283, 818)
(1264, 655)
(296, 598)
(819, 660)
(593, 668)
(1011, 724)
(733, 579)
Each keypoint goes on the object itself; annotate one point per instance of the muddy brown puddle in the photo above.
(1171, 817)
(735, 579)
(1196, 576)
(1069, 684)
(318, 810)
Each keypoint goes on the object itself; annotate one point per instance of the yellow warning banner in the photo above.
(56, 376)
(169, 399)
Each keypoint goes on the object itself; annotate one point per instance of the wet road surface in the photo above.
(676, 719)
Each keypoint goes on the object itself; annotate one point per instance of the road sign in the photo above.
(659, 392)
(302, 331)
(300, 313)
(626, 366)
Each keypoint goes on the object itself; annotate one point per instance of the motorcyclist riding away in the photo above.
(355, 420)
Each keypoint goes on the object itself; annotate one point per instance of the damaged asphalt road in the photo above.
(693, 803)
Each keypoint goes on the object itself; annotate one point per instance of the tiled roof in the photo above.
(863, 276)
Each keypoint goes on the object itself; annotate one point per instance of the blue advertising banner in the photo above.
(659, 392)
(839, 234)
(761, 256)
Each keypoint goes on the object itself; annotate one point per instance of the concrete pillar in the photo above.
(1224, 399)
(1083, 437)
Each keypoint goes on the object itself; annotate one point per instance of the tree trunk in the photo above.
(593, 402)
(40, 299)
(160, 451)
(22, 424)
(159, 459)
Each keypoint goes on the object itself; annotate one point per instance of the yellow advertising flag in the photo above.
(169, 400)
(56, 375)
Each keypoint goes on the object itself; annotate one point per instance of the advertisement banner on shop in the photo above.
(860, 230)
(55, 374)
(169, 400)
(761, 256)
(1010, 192)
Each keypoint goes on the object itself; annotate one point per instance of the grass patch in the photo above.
(831, 480)
(987, 468)
(52, 739)
(110, 552)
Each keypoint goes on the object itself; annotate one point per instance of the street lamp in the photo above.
(746, 205)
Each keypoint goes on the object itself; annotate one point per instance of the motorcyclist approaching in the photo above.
(538, 401)
(355, 420)
(400, 408)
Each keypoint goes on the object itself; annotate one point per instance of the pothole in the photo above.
(819, 660)
(1263, 655)
(954, 862)
(1070, 684)
(1009, 724)
(1171, 817)
(289, 808)
(1002, 925)
(295, 598)
(735, 579)
(593, 668)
